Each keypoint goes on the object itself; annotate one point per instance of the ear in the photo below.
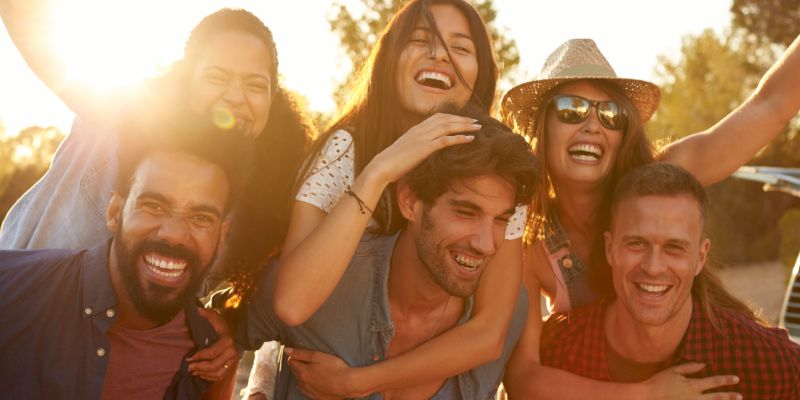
(223, 234)
(607, 238)
(114, 212)
(407, 200)
(705, 247)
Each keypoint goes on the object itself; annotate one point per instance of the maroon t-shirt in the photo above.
(142, 362)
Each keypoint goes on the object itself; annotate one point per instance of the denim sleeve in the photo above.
(255, 322)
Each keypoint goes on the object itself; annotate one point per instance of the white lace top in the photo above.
(334, 171)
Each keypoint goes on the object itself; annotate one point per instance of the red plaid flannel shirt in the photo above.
(765, 360)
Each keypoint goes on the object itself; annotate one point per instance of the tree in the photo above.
(712, 75)
(24, 158)
(358, 29)
(775, 21)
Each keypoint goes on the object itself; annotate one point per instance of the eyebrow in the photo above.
(474, 207)
(457, 34)
(247, 75)
(205, 208)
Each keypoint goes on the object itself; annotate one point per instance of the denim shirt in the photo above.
(355, 323)
(56, 307)
(66, 208)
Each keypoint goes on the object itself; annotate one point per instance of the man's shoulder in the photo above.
(571, 324)
(746, 332)
(17, 260)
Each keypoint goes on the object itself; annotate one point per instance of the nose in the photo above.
(437, 51)
(174, 230)
(485, 239)
(653, 262)
(592, 123)
(234, 93)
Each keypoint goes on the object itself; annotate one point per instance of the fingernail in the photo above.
(288, 350)
(474, 120)
(469, 137)
(735, 379)
(476, 125)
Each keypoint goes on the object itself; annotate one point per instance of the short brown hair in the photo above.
(665, 179)
(495, 150)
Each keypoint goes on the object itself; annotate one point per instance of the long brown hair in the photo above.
(374, 115)
(635, 150)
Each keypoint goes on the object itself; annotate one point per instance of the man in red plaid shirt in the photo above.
(669, 307)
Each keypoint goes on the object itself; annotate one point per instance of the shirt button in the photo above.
(567, 263)
(88, 311)
(101, 351)
(110, 313)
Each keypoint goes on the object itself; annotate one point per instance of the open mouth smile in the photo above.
(433, 79)
(468, 263)
(165, 267)
(585, 152)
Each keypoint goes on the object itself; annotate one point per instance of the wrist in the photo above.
(372, 177)
(359, 383)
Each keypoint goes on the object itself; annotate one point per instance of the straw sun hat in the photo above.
(575, 59)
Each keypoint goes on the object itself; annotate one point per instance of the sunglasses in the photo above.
(575, 109)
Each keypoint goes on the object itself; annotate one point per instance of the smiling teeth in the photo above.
(586, 152)
(468, 263)
(167, 269)
(437, 76)
(653, 288)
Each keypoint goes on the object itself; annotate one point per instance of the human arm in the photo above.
(319, 246)
(715, 153)
(478, 341)
(213, 363)
(29, 25)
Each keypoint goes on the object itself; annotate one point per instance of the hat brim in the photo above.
(520, 105)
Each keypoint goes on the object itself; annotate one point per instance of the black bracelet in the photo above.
(361, 204)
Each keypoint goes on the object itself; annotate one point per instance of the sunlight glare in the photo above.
(123, 47)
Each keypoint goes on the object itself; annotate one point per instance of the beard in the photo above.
(433, 257)
(156, 302)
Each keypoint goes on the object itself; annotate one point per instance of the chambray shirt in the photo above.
(66, 208)
(355, 324)
(56, 307)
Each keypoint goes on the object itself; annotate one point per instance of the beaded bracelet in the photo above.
(361, 204)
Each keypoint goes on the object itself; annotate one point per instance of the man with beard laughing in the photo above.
(401, 290)
(670, 307)
(119, 320)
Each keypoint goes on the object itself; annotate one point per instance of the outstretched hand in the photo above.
(434, 133)
(212, 363)
(320, 375)
(672, 383)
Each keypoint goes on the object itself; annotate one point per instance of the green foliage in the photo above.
(709, 79)
(358, 27)
(713, 75)
(24, 158)
(775, 21)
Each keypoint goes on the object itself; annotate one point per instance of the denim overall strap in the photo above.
(574, 271)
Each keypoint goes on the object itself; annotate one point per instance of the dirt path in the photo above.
(761, 285)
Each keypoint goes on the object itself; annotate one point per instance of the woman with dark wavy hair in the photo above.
(229, 72)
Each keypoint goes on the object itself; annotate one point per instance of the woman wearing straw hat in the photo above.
(586, 126)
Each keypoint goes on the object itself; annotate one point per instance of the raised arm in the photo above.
(28, 23)
(319, 247)
(715, 153)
